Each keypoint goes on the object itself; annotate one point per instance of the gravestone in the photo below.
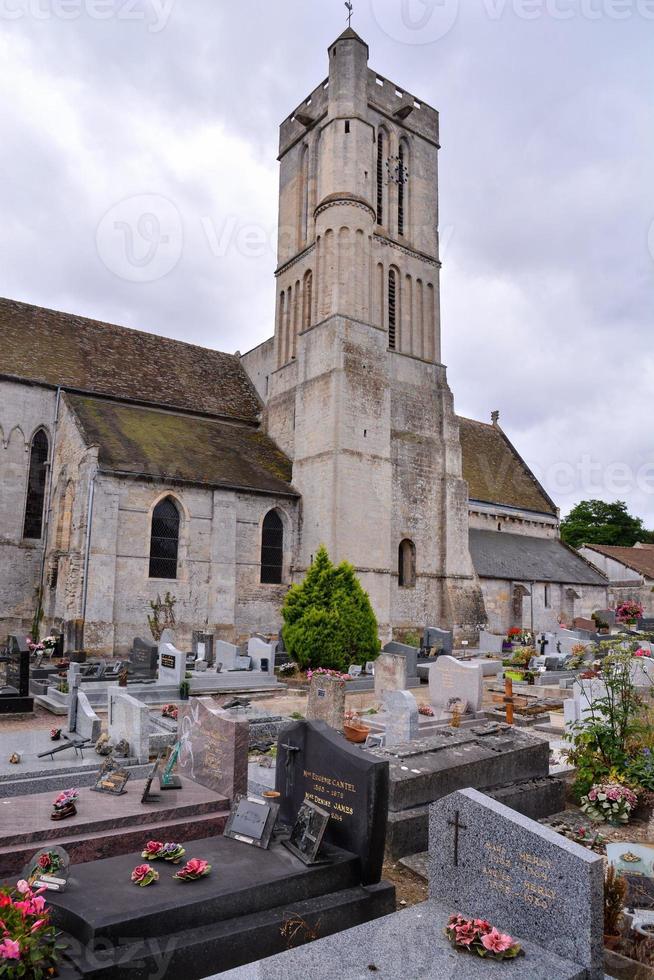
(316, 763)
(489, 642)
(327, 700)
(581, 706)
(354, 670)
(144, 657)
(213, 747)
(262, 654)
(450, 679)
(226, 654)
(15, 698)
(402, 719)
(390, 673)
(129, 719)
(489, 862)
(438, 640)
(172, 662)
(203, 647)
(88, 725)
(642, 670)
(410, 653)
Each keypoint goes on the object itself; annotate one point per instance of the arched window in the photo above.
(272, 549)
(304, 200)
(380, 176)
(406, 565)
(308, 299)
(164, 539)
(36, 480)
(392, 309)
(401, 188)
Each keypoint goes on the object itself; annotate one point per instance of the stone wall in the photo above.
(498, 600)
(493, 517)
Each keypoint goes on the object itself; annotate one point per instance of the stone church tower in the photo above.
(355, 390)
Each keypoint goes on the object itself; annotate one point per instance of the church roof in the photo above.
(61, 349)
(522, 558)
(496, 473)
(139, 441)
(349, 34)
(640, 559)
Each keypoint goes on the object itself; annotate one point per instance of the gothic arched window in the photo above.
(392, 309)
(272, 549)
(164, 539)
(406, 565)
(36, 480)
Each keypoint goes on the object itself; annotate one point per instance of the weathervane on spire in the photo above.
(350, 12)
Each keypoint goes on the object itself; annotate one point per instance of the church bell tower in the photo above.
(358, 397)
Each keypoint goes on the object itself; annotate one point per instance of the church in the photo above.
(132, 465)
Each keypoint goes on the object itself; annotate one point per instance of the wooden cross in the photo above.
(457, 827)
(350, 12)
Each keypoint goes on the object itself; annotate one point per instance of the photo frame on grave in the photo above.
(112, 779)
(148, 795)
(54, 876)
(252, 821)
(307, 833)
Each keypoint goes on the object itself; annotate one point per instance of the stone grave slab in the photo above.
(315, 762)
(88, 723)
(390, 673)
(409, 653)
(143, 657)
(129, 719)
(402, 719)
(489, 862)
(327, 700)
(214, 747)
(262, 654)
(450, 678)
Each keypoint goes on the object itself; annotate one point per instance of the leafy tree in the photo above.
(596, 522)
(328, 619)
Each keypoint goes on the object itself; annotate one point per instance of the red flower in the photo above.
(496, 942)
(466, 934)
(195, 866)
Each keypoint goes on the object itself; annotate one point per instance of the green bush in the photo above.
(328, 619)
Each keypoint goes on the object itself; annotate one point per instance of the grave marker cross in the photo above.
(457, 827)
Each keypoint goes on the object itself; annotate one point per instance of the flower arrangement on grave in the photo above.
(47, 863)
(290, 668)
(28, 942)
(609, 803)
(576, 658)
(480, 938)
(354, 728)
(144, 875)
(325, 672)
(193, 869)
(55, 734)
(642, 653)
(629, 612)
(155, 850)
(64, 805)
(170, 711)
(426, 710)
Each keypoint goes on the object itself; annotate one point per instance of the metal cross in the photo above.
(290, 767)
(457, 827)
(350, 9)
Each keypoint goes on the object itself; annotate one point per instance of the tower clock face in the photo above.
(396, 171)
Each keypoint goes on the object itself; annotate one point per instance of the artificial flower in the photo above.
(496, 942)
(10, 949)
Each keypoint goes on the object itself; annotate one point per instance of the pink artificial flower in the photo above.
(153, 846)
(38, 904)
(496, 942)
(195, 866)
(466, 933)
(10, 950)
(139, 873)
(482, 925)
(37, 925)
(22, 886)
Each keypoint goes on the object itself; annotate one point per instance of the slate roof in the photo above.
(521, 558)
(641, 559)
(52, 348)
(496, 473)
(173, 446)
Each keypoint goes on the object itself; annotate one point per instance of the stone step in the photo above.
(28, 784)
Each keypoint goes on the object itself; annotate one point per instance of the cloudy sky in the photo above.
(114, 111)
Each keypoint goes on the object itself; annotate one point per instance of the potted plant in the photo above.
(184, 691)
(353, 728)
(615, 893)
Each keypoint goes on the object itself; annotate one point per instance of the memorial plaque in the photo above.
(252, 821)
(316, 763)
(308, 832)
(148, 795)
(489, 862)
(111, 779)
(48, 868)
(168, 660)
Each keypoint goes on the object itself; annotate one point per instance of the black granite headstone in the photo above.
(315, 762)
(18, 667)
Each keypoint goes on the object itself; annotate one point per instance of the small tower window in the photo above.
(164, 540)
(347, 127)
(406, 566)
(401, 177)
(36, 480)
(272, 549)
(307, 299)
(380, 178)
(392, 309)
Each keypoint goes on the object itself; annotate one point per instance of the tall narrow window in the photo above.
(304, 203)
(380, 177)
(164, 540)
(272, 549)
(36, 480)
(401, 177)
(392, 309)
(548, 596)
(406, 565)
(308, 299)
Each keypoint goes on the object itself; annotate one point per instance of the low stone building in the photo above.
(630, 572)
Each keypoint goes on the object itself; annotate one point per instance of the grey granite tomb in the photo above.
(402, 718)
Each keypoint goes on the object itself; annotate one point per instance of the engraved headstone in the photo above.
(74, 679)
(226, 654)
(410, 653)
(262, 654)
(390, 673)
(172, 663)
(402, 719)
(316, 763)
(327, 700)
(451, 680)
(129, 720)
(489, 862)
(213, 747)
